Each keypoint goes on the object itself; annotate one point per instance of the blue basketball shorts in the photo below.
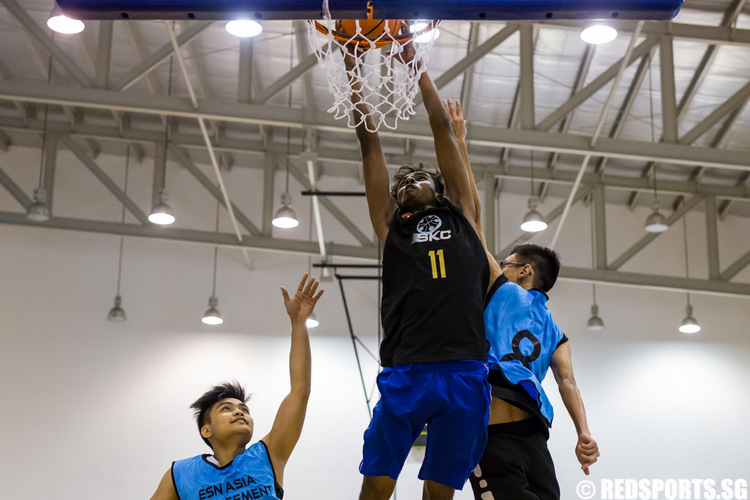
(452, 398)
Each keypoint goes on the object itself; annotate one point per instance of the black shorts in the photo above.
(516, 464)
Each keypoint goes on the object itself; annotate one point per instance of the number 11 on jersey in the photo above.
(436, 259)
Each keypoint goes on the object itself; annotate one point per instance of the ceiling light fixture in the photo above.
(161, 213)
(689, 323)
(533, 221)
(595, 323)
(60, 23)
(117, 313)
(312, 321)
(39, 211)
(598, 34)
(285, 217)
(243, 28)
(212, 315)
(655, 222)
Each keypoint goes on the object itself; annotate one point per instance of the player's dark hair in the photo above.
(544, 260)
(405, 170)
(203, 404)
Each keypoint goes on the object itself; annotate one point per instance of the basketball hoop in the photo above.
(389, 88)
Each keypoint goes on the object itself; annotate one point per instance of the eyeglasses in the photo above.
(503, 264)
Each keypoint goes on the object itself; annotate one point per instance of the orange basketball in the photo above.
(371, 28)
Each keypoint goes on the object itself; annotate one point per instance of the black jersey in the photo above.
(435, 275)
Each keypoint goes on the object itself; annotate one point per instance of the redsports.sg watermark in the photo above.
(663, 489)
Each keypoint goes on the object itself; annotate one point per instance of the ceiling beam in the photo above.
(350, 156)
(597, 84)
(225, 240)
(655, 282)
(211, 187)
(300, 118)
(14, 190)
(104, 179)
(153, 60)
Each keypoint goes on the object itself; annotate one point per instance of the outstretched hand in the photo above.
(301, 305)
(587, 451)
(458, 124)
(407, 52)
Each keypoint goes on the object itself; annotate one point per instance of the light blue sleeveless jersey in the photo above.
(522, 338)
(248, 477)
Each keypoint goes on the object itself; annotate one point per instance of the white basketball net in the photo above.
(387, 85)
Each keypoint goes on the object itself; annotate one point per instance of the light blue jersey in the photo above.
(522, 337)
(249, 476)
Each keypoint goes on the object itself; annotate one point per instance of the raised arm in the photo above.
(287, 426)
(450, 161)
(458, 125)
(587, 451)
(377, 181)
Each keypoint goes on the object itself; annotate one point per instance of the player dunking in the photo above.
(525, 342)
(226, 426)
(435, 275)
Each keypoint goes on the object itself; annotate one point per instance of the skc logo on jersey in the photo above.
(428, 230)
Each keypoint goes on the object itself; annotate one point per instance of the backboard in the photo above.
(473, 10)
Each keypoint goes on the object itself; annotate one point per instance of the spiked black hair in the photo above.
(203, 404)
(544, 260)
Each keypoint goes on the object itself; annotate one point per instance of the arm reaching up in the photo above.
(458, 125)
(287, 426)
(450, 160)
(377, 181)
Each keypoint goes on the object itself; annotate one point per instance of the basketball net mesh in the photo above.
(388, 86)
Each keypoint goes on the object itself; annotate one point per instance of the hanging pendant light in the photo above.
(117, 313)
(656, 222)
(312, 321)
(161, 213)
(689, 323)
(39, 211)
(595, 323)
(533, 221)
(212, 315)
(285, 216)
